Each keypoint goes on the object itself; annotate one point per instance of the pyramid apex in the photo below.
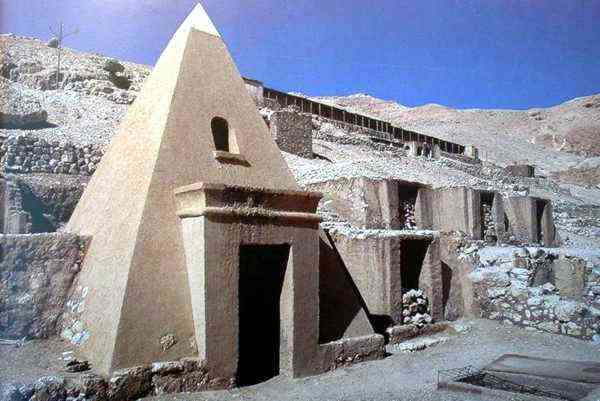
(198, 19)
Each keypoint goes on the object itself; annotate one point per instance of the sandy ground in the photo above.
(401, 376)
(34, 359)
(412, 376)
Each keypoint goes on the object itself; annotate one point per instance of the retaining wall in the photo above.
(28, 154)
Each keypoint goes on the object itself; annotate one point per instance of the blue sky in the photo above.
(484, 53)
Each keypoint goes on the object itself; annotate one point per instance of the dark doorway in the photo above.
(486, 216)
(412, 254)
(407, 200)
(540, 205)
(262, 271)
(446, 286)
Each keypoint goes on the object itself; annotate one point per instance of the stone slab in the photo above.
(577, 371)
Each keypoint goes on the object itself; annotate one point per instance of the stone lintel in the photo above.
(209, 199)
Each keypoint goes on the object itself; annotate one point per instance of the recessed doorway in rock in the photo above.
(261, 276)
(407, 201)
(540, 206)
(412, 255)
(488, 228)
(223, 136)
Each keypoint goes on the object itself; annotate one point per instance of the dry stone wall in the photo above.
(36, 273)
(28, 154)
(540, 291)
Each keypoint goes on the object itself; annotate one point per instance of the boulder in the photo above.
(53, 43)
(113, 66)
(19, 108)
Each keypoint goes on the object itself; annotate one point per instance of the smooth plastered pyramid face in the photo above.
(135, 264)
(200, 21)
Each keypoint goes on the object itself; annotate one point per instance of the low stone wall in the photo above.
(292, 132)
(187, 375)
(399, 333)
(28, 154)
(540, 291)
(349, 351)
(36, 273)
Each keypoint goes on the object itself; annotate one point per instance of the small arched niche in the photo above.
(220, 131)
(226, 147)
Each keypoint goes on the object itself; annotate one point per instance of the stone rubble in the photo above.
(514, 289)
(415, 308)
(186, 375)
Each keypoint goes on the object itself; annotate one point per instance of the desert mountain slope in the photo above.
(554, 138)
(97, 90)
(366, 104)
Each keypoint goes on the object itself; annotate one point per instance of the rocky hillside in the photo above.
(366, 104)
(33, 63)
(573, 126)
(555, 138)
(95, 92)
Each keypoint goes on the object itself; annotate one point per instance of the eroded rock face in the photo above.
(36, 273)
(18, 108)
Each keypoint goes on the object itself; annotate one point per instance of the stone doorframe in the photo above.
(216, 220)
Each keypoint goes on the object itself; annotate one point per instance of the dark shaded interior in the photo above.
(486, 204)
(540, 205)
(446, 286)
(452, 298)
(407, 199)
(412, 255)
(41, 222)
(262, 272)
(339, 298)
(220, 131)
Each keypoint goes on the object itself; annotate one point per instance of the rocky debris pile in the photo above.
(19, 108)
(32, 63)
(580, 220)
(489, 228)
(354, 154)
(538, 290)
(407, 210)
(347, 134)
(27, 154)
(415, 308)
(186, 375)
